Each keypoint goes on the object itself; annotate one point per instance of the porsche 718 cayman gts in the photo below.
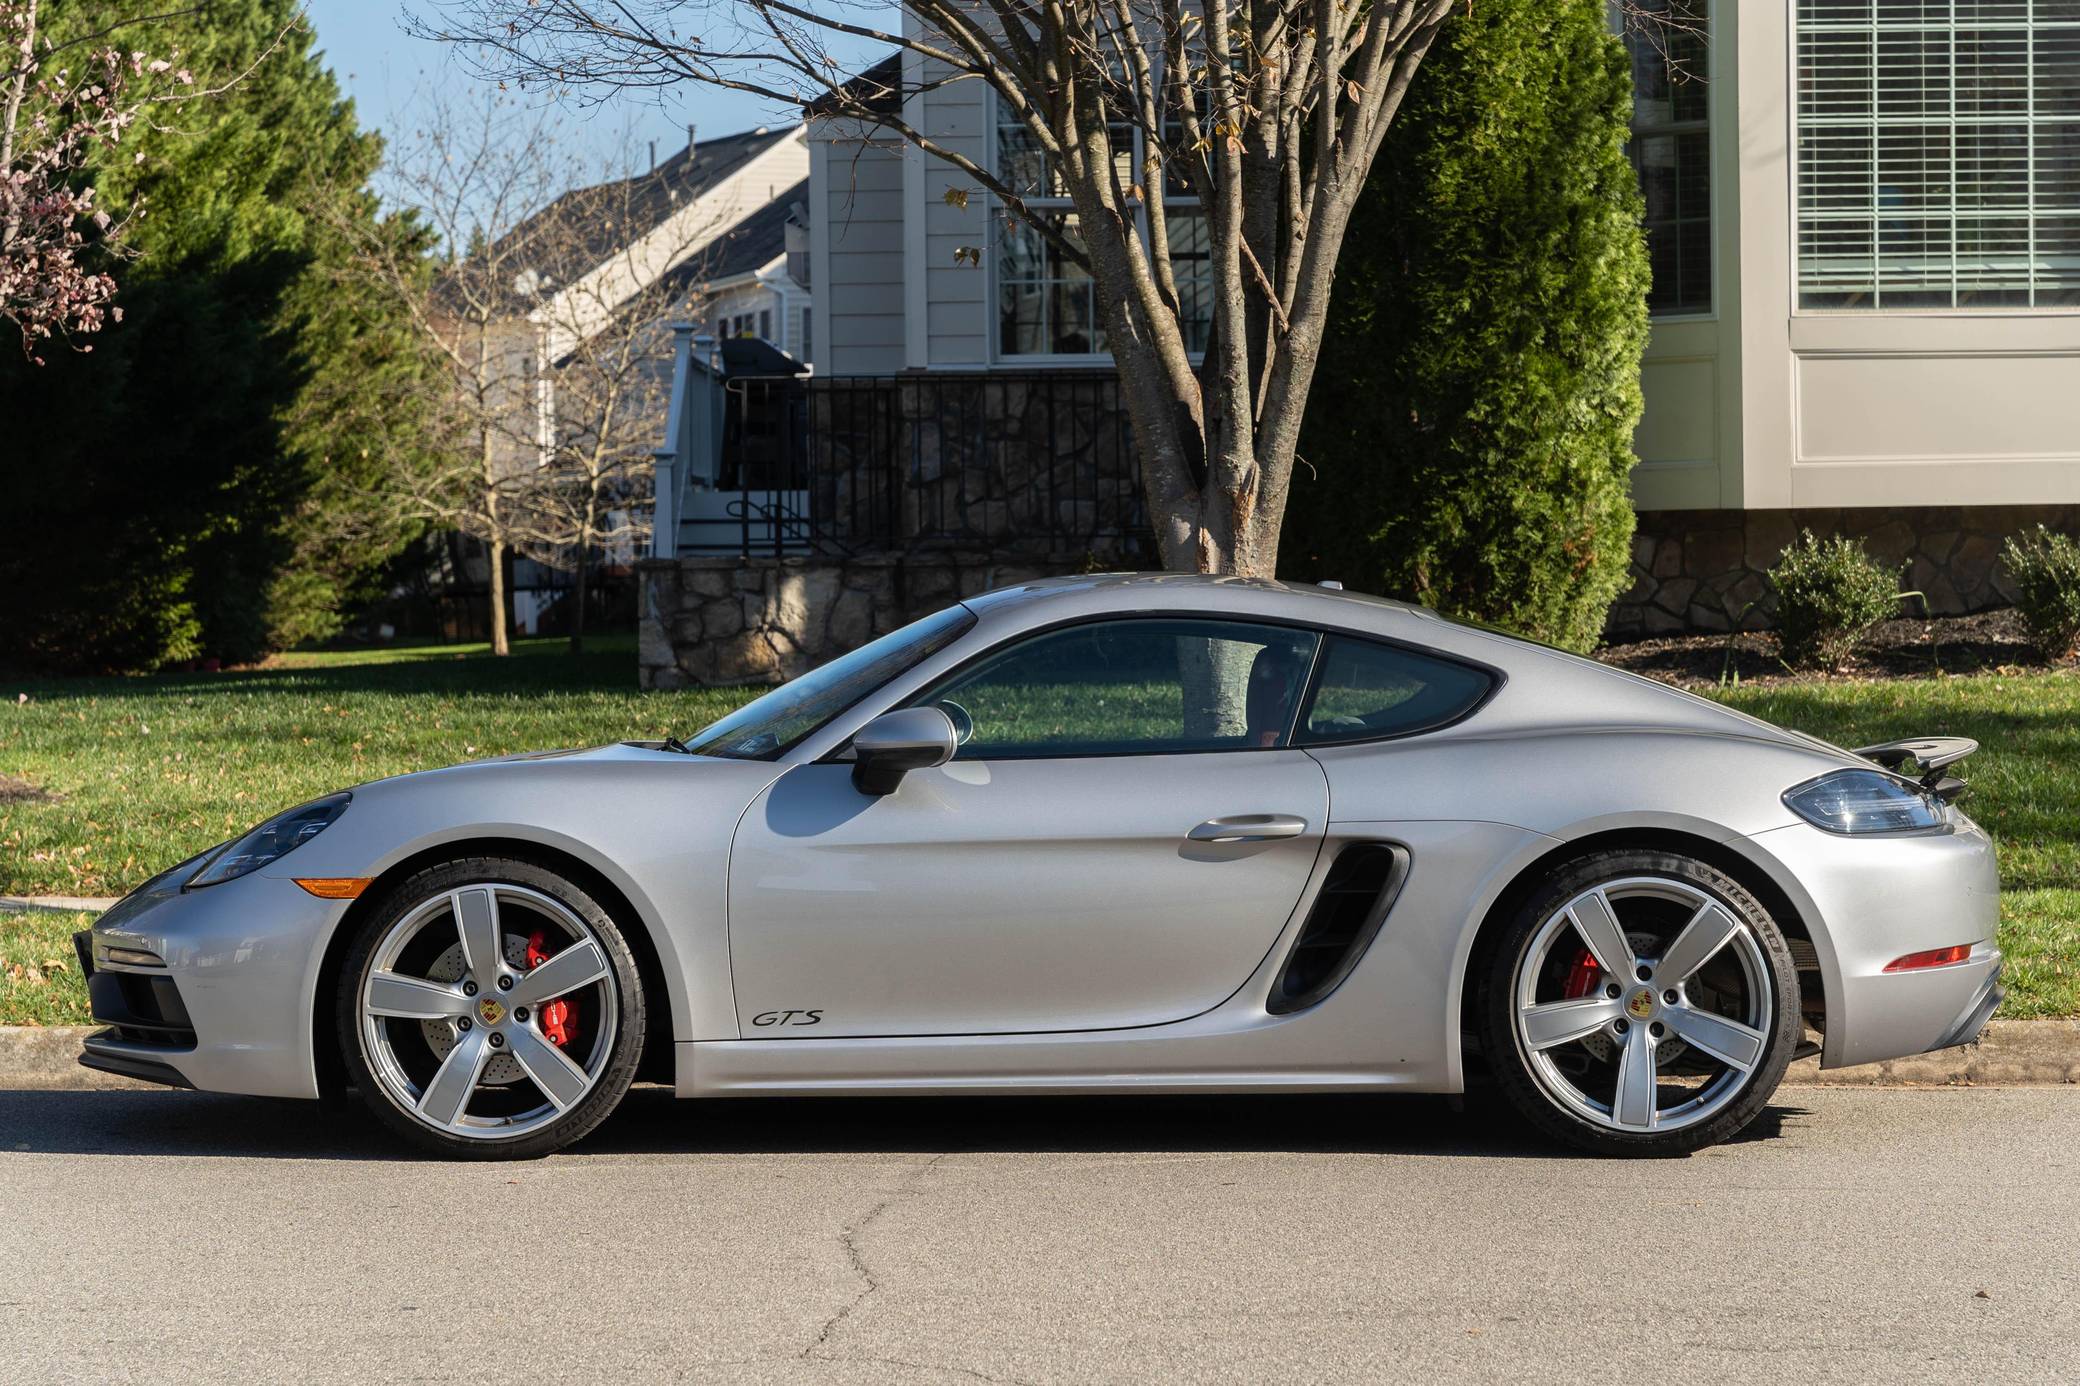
(1147, 833)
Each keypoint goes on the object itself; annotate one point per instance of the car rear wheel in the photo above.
(1640, 1003)
(490, 1009)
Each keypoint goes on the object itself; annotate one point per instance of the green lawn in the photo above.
(39, 979)
(143, 772)
(146, 771)
(2025, 779)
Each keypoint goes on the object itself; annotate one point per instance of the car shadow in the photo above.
(651, 1122)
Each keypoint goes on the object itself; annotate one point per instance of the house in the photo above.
(1864, 223)
(707, 222)
(1865, 228)
(707, 230)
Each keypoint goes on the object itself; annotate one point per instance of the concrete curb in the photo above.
(2012, 1053)
(68, 904)
(45, 1058)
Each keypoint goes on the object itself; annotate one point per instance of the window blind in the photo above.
(1938, 154)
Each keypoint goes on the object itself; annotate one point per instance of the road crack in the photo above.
(849, 1239)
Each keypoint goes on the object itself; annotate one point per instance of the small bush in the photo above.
(1829, 594)
(2046, 570)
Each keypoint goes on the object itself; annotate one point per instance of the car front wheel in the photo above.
(1640, 1003)
(490, 1009)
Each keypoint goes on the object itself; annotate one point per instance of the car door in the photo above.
(1121, 836)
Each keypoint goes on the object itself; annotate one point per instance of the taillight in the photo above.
(1931, 957)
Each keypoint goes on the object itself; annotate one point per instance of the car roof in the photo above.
(1095, 593)
(1557, 684)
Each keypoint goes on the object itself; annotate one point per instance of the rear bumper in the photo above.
(1973, 1021)
(1873, 900)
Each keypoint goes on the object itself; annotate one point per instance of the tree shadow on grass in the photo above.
(651, 1122)
(606, 672)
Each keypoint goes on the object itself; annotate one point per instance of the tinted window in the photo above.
(790, 712)
(1135, 687)
(1368, 690)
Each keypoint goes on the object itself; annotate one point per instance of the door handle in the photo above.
(1249, 827)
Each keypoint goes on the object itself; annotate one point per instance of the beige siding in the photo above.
(1766, 406)
(1685, 433)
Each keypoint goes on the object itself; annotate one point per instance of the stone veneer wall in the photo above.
(1703, 570)
(763, 620)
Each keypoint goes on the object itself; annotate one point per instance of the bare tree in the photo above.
(1267, 112)
(474, 174)
(542, 314)
(621, 273)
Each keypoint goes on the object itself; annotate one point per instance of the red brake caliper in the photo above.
(1581, 978)
(556, 1016)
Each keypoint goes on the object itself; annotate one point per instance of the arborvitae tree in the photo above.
(1469, 440)
(163, 490)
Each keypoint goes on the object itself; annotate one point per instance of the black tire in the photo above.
(1511, 1066)
(623, 983)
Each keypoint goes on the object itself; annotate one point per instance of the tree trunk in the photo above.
(578, 597)
(1222, 524)
(499, 644)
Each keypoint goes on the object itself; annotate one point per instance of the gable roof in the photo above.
(651, 197)
(879, 89)
(749, 246)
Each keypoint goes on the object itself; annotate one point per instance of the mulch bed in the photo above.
(1986, 642)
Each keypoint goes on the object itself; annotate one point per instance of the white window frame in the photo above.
(2030, 27)
(994, 215)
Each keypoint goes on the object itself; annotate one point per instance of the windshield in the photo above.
(767, 727)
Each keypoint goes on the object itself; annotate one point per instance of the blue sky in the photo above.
(382, 69)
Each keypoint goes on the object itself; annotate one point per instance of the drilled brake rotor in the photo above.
(442, 1036)
(1605, 1048)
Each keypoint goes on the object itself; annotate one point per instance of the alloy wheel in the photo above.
(1643, 1005)
(488, 1011)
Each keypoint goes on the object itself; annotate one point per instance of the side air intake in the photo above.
(1354, 900)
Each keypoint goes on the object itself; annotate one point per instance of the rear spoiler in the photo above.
(1928, 756)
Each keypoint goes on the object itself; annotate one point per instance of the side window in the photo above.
(1368, 690)
(1132, 687)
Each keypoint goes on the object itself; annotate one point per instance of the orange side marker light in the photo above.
(335, 887)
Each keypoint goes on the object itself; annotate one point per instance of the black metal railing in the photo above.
(1030, 462)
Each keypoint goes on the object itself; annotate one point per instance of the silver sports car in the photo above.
(1146, 833)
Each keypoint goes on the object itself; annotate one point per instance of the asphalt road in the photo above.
(1868, 1235)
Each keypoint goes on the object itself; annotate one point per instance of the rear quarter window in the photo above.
(1367, 691)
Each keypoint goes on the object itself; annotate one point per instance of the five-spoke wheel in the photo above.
(1640, 1002)
(491, 1008)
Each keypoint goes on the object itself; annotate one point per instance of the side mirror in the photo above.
(895, 743)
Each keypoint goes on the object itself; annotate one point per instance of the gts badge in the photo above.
(771, 1018)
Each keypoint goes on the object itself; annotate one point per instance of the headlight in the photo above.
(284, 832)
(1865, 801)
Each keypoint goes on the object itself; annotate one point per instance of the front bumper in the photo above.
(230, 1008)
(1871, 900)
